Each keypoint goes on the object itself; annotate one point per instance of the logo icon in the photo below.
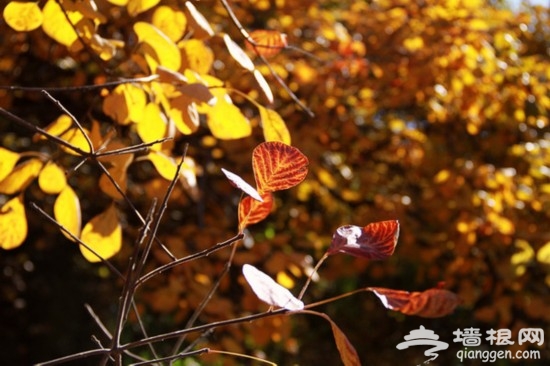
(424, 337)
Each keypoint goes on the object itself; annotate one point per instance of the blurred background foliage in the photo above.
(434, 113)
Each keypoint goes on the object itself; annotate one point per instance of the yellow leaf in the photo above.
(170, 21)
(61, 125)
(238, 53)
(66, 210)
(543, 255)
(56, 26)
(21, 176)
(274, 127)
(103, 235)
(162, 50)
(7, 162)
(51, 179)
(196, 56)
(76, 138)
(183, 113)
(227, 122)
(285, 280)
(13, 223)
(136, 7)
(118, 2)
(23, 17)
(125, 104)
(164, 165)
(413, 44)
(105, 48)
(152, 125)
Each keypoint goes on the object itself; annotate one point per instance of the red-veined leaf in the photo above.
(267, 43)
(374, 241)
(252, 211)
(278, 166)
(432, 303)
(348, 354)
(242, 185)
(270, 291)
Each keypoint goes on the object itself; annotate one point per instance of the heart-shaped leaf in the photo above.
(278, 166)
(252, 211)
(374, 241)
(432, 303)
(270, 291)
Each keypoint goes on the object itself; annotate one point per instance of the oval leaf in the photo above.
(200, 24)
(66, 211)
(270, 291)
(274, 127)
(242, 185)
(252, 211)
(51, 179)
(13, 223)
(56, 25)
(21, 176)
(170, 21)
(102, 235)
(238, 53)
(278, 166)
(227, 122)
(8, 159)
(23, 17)
(374, 241)
(432, 303)
(264, 86)
(267, 43)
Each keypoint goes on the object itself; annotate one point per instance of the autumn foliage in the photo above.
(213, 178)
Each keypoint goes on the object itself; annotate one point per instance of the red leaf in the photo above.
(432, 303)
(267, 43)
(278, 166)
(374, 241)
(252, 211)
(270, 291)
(241, 184)
(348, 354)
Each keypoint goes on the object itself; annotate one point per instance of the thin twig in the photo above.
(145, 79)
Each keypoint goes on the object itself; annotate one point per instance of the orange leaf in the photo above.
(267, 43)
(348, 354)
(374, 241)
(432, 303)
(252, 211)
(278, 166)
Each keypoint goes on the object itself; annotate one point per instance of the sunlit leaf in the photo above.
(278, 166)
(170, 21)
(374, 241)
(51, 179)
(152, 125)
(242, 185)
(13, 223)
(270, 291)
(103, 235)
(61, 125)
(196, 56)
(199, 22)
(348, 354)
(56, 25)
(543, 254)
(264, 86)
(76, 138)
(8, 159)
(119, 2)
(125, 103)
(163, 50)
(227, 122)
(238, 53)
(252, 211)
(267, 43)
(273, 126)
(66, 211)
(136, 7)
(23, 16)
(432, 303)
(21, 176)
(165, 165)
(184, 114)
